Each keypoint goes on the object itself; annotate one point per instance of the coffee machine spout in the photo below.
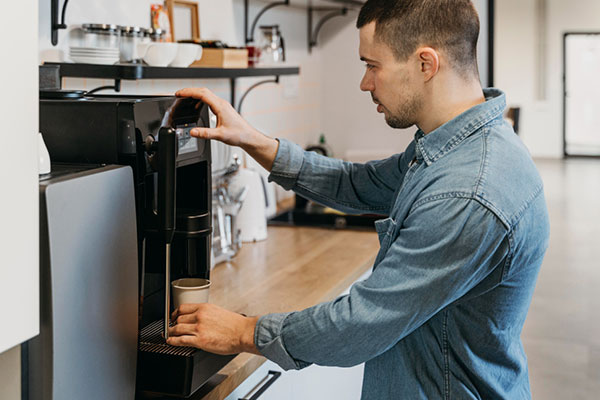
(167, 156)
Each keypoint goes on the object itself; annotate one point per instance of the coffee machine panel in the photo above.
(87, 346)
(134, 131)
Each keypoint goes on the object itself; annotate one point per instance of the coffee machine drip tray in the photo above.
(172, 370)
(151, 340)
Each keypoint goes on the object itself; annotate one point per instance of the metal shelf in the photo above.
(119, 72)
(134, 72)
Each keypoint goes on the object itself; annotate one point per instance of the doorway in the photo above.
(581, 89)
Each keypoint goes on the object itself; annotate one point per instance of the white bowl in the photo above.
(94, 60)
(77, 53)
(187, 53)
(157, 54)
(99, 50)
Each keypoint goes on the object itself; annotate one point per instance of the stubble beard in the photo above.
(405, 115)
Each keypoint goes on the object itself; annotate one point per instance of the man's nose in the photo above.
(366, 84)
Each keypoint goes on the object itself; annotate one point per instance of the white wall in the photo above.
(516, 68)
(19, 176)
(19, 261)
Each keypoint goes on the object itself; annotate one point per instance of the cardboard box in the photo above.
(223, 58)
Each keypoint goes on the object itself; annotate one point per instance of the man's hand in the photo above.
(232, 129)
(213, 329)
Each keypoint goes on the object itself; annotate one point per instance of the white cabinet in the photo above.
(19, 261)
(314, 382)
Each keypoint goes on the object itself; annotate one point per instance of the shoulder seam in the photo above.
(521, 211)
(467, 196)
(483, 164)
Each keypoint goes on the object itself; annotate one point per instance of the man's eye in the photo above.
(369, 66)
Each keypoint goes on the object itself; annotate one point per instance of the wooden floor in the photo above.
(562, 331)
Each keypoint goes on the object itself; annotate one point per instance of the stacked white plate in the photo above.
(94, 55)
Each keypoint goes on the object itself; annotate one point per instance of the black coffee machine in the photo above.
(172, 179)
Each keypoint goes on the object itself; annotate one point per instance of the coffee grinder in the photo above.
(172, 181)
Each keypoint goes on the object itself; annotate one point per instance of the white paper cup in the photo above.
(190, 291)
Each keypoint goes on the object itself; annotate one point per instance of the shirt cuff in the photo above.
(268, 340)
(287, 164)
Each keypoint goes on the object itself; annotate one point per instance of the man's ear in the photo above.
(429, 62)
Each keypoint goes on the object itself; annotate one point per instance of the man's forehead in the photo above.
(367, 32)
(367, 41)
(371, 49)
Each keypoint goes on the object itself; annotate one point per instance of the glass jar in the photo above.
(101, 36)
(271, 45)
(156, 34)
(131, 36)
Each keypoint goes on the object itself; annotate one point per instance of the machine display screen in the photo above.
(183, 115)
(185, 141)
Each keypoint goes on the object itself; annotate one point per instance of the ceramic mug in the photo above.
(190, 291)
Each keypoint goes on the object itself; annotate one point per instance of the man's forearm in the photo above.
(262, 148)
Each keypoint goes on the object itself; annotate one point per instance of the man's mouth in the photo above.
(376, 101)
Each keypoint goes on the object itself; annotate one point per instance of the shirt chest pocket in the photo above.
(385, 230)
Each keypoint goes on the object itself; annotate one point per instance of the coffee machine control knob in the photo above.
(150, 145)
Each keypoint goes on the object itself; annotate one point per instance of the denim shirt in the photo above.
(441, 315)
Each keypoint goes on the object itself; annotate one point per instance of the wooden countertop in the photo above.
(295, 268)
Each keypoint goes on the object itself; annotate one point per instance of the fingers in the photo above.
(181, 341)
(206, 133)
(183, 329)
(184, 309)
(186, 319)
(203, 94)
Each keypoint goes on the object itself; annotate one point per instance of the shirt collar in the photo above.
(438, 142)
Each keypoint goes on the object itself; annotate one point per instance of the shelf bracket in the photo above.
(239, 106)
(116, 88)
(313, 34)
(249, 35)
(55, 25)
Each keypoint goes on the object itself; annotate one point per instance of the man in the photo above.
(442, 312)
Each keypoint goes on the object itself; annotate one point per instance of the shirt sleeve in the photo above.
(349, 187)
(444, 249)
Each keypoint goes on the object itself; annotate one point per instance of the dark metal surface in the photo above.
(151, 340)
(324, 220)
(136, 71)
(172, 371)
(249, 36)
(239, 106)
(274, 376)
(49, 78)
(313, 34)
(491, 20)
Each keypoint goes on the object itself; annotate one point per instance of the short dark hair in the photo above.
(448, 25)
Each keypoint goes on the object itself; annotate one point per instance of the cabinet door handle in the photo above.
(274, 376)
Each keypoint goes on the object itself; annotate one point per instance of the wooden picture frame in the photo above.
(179, 10)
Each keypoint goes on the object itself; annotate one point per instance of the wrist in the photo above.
(261, 147)
(247, 337)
